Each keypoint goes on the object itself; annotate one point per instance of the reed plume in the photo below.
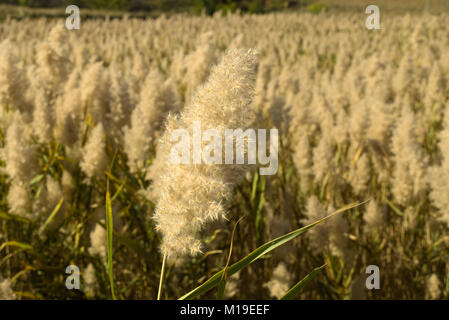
(192, 195)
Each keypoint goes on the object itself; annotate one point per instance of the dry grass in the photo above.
(361, 114)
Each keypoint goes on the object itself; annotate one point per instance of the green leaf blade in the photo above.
(110, 228)
(291, 294)
(257, 253)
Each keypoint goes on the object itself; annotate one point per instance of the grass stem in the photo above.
(161, 280)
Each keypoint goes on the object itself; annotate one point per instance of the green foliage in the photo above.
(316, 7)
(108, 4)
(250, 6)
(256, 6)
(198, 6)
(211, 6)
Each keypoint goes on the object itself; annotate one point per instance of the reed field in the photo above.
(86, 181)
(434, 6)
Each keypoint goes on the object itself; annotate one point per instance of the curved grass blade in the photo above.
(36, 179)
(52, 215)
(259, 252)
(109, 228)
(224, 278)
(12, 216)
(291, 294)
(17, 244)
(21, 273)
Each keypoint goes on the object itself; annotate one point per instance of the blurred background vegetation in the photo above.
(210, 6)
(149, 8)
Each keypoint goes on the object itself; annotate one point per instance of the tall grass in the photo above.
(361, 115)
